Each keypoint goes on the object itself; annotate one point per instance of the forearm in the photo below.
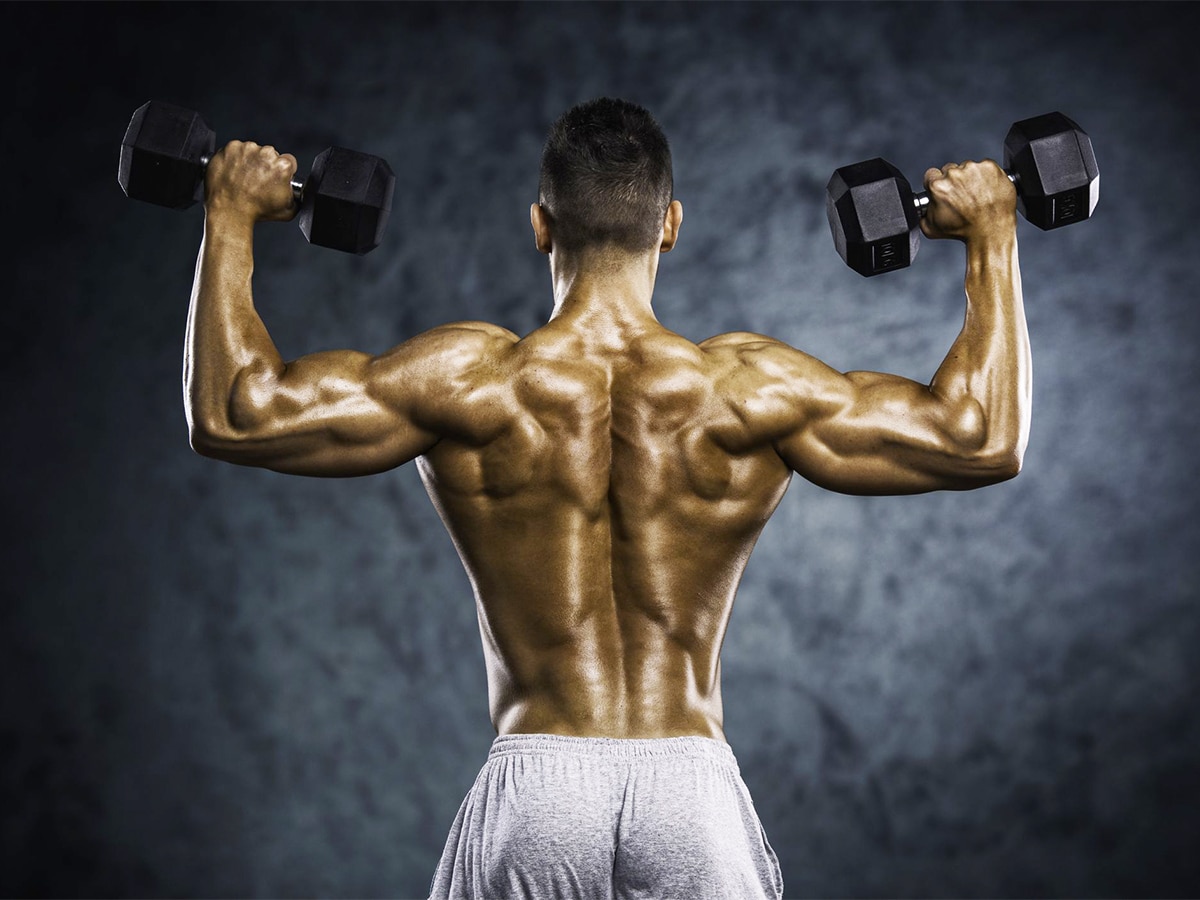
(227, 347)
(986, 379)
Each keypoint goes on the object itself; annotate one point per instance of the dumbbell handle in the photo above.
(297, 186)
(921, 200)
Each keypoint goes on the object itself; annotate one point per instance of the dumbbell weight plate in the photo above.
(163, 154)
(346, 200)
(1057, 177)
(872, 217)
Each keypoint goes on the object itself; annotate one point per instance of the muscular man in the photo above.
(604, 481)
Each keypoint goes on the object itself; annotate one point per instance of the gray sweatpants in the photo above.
(553, 817)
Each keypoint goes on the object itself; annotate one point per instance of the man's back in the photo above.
(604, 497)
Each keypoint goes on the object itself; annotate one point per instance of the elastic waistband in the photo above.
(615, 748)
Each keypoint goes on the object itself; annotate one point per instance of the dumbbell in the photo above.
(873, 212)
(344, 202)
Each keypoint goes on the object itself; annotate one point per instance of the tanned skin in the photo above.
(603, 478)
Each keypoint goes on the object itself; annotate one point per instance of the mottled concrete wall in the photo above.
(227, 682)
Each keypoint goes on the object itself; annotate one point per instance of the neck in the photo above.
(604, 287)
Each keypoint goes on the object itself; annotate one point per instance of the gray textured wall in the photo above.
(227, 682)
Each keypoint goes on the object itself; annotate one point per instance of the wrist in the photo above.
(992, 243)
(992, 229)
(223, 220)
(992, 259)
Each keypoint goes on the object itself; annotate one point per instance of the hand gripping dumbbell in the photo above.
(873, 212)
(344, 202)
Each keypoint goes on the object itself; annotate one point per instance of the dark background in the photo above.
(227, 682)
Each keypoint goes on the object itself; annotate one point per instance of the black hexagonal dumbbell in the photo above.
(873, 212)
(344, 202)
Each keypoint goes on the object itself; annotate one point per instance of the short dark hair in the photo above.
(606, 177)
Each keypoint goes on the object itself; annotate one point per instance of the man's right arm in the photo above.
(871, 433)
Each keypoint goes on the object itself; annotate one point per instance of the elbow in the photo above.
(208, 440)
(994, 466)
(221, 430)
(203, 442)
(1016, 458)
(215, 437)
(988, 454)
(1007, 466)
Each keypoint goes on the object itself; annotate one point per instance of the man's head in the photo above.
(606, 178)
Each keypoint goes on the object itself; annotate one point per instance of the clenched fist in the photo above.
(969, 201)
(247, 180)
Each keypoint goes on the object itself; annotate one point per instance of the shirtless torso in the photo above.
(605, 479)
(604, 499)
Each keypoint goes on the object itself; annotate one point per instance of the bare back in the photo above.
(604, 500)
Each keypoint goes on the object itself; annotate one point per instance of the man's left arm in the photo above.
(335, 413)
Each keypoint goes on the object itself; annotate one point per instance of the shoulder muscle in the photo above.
(737, 339)
(435, 375)
(442, 352)
(771, 387)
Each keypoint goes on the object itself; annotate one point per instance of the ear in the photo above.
(671, 224)
(541, 228)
